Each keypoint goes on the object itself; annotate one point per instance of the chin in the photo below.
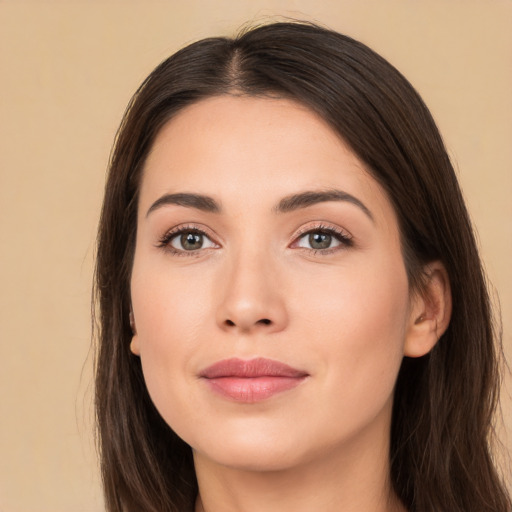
(250, 450)
(253, 458)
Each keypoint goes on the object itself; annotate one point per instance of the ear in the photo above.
(430, 312)
(134, 344)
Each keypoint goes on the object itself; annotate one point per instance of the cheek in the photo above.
(169, 304)
(355, 301)
(169, 313)
(359, 320)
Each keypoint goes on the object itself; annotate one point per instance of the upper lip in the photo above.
(252, 368)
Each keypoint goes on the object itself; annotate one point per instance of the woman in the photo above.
(292, 307)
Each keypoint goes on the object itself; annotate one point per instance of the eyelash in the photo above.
(167, 238)
(344, 238)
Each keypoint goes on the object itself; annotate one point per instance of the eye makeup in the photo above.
(318, 238)
(323, 239)
(192, 239)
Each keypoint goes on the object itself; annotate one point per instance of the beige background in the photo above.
(67, 70)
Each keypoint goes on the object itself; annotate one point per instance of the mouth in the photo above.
(252, 380)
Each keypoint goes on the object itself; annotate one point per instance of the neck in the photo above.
(352, 478)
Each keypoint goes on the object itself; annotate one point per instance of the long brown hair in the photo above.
(444, 402)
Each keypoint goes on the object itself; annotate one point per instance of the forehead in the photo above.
(250, 150)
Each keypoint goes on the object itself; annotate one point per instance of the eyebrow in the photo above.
(287, 204)
(310, 198)
(197, 201)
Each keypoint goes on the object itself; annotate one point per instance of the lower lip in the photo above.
(254, 389)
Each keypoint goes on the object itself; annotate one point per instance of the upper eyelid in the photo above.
(322, 226)
(180, 228)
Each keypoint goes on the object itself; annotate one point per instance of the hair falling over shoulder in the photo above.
(441, 456)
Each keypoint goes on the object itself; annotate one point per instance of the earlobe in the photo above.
(134, 344)
(430, 312)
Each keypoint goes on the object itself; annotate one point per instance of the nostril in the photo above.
(264, 321)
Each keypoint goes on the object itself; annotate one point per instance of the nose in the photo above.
(251, 298)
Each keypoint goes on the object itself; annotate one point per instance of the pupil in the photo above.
(191, 241)
(320, 240)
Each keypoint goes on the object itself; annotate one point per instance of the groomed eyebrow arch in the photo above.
(197, 201)
(287, 204)
(312, 197)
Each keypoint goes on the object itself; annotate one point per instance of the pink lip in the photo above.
(253, 380)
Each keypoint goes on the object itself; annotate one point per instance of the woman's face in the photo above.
(269, 293)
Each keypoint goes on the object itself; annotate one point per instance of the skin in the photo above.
(256, 288)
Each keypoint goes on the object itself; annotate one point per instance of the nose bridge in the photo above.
(251, 296)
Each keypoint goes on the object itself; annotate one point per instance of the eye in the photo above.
(183, 240)
(318, 240)
(323, 239)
